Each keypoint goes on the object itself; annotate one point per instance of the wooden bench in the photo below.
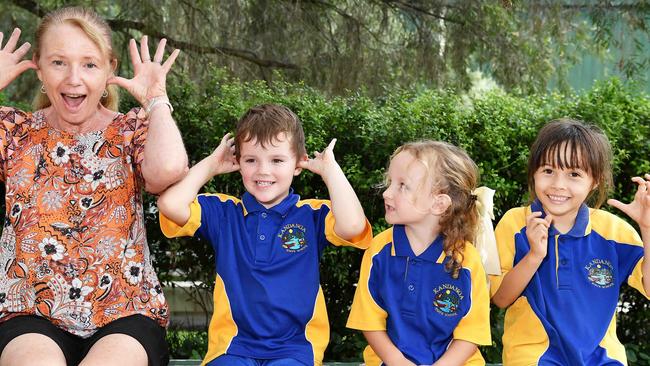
(198, 362)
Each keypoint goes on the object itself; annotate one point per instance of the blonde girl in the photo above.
(422, 296)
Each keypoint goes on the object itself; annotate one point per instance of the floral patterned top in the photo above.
(73, 246)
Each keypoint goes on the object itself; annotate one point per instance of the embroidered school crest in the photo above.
(447, 299)
(600, 273)
(293, 238)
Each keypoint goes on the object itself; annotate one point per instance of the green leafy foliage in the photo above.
(187, 344)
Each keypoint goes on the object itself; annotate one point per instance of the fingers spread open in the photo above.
(160, 51)
(13, 40)
(22, 50)
(135, 55)
(170, 60)
(144, 49)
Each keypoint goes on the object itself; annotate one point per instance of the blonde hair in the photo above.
(454, 173)
(96, 29)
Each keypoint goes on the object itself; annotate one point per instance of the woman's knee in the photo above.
(32, 349)
(118, 350)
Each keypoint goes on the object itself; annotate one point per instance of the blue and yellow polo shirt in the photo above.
(420, 306)
(268, 302)
(567, 313)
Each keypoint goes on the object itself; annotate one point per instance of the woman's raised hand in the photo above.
(149, 75)
(11, 59)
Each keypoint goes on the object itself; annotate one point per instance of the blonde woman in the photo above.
(76, 281)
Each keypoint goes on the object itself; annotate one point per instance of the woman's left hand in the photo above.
(149, 74)
(639, 209)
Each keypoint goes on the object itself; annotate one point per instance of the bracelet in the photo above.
(156, 101)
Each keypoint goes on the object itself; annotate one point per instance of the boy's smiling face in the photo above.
(267, 171)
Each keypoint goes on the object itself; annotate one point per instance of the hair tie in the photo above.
(485, 241)
(473, 197)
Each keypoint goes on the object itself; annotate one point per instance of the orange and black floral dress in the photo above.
(73, 246)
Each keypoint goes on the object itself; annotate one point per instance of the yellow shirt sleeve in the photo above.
(171, 230)
(509, 225)
(361, 241)
(475, 325)
(366, 314)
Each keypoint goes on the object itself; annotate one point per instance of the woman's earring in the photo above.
(43, 89)
(105, 94)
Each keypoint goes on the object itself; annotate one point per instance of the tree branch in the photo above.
(408, 6)
(125, 25)
(120, 24)
(30, 6)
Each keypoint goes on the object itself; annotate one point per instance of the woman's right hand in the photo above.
(10, 59)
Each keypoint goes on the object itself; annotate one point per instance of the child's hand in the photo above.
(223, 157)
(322, 162)
(639, 209)
(537, 234)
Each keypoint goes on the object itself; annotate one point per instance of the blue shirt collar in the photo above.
(282, 208)
(402, 247)
(578, 230)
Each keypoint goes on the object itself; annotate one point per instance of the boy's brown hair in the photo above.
(263, 123)
(571, 144)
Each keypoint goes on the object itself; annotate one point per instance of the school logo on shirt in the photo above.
(447, 299)
(293, 238)
(600, 273)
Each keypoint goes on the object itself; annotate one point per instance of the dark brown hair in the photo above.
(263, 123)
(570, 144)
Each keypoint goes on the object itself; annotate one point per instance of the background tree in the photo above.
(339, 45)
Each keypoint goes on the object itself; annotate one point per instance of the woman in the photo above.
(76, 281)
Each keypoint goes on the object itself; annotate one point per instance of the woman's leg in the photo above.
(116, 349)
(131, 341)
(32, 349)
(33, 340)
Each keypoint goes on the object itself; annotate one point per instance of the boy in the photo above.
(269, 308)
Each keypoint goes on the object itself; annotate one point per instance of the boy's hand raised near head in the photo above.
(175, 202)
(537, 234)
(346, 208)
(223, 159)
(639, 209)
(322, 162)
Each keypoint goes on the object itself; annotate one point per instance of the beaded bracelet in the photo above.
(156, 101)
